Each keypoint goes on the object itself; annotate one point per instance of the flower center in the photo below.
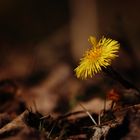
(94, 53)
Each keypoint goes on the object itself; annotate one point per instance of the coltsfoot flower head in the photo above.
(98, 56)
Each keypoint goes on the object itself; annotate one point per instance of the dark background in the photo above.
(41, 43)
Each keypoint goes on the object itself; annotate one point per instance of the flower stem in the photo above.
(118, 77)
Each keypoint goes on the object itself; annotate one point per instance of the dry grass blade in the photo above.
(87, 112)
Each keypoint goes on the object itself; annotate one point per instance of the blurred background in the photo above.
(41, 43)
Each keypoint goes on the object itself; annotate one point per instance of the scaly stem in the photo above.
(118, 77)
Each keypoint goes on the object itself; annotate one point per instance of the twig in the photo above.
(99, 119)
(88, 114)
(16, 125)
(104, 105)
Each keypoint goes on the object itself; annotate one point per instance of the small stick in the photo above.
(15, 125)
(35, 106)
(44, 117)
(112, 105)
(88, 114)
(104, 105)
(99, 119)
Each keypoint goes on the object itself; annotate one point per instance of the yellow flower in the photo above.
(99, 55)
